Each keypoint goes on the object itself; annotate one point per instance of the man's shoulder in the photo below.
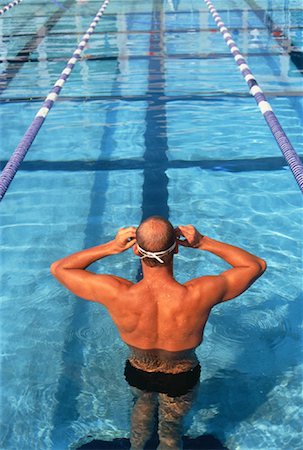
(207, 285)
(208, 288)
(109, 287)
(113, 280)
(205, 281)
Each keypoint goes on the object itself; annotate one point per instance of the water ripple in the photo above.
(87, 333)
(262, 325)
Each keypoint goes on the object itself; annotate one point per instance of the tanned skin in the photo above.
(158, 312)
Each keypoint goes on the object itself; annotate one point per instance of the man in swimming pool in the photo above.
(162, 321)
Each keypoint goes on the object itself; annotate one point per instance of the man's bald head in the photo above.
(156, 234)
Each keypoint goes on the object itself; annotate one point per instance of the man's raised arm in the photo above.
(247, 267)
(71, 270)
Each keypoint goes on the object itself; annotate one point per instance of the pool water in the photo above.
(155, 119)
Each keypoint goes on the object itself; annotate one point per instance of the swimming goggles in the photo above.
(155, 255)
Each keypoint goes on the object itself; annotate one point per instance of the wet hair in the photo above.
(156, 234)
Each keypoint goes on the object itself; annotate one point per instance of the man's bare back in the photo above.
(161, 320)
(161, 323)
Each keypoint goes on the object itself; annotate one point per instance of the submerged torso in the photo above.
(159, 360)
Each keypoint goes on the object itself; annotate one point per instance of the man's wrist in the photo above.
(107, 249)
(113, 247)
(202, 242)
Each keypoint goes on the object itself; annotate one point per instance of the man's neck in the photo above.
(158, 273)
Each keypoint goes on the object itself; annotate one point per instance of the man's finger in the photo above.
(183, 242)
(131, 231)
(130, 243)
(179, 231)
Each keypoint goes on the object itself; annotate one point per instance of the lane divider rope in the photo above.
(285, 145)
(9, 6)
(19, 154)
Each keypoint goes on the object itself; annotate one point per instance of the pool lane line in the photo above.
(70, 383)
(267, 163)
(272, 121)
(155, 160)
(58, 4)
(218, 96)
(111, 16)
(136, 32)
(9, 6)
(12, 69)
(19, 154)
(277, 33)
(155, 180)
(26, 59)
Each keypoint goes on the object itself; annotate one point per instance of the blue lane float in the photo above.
(9, 6)
(21, 150)
(272, 121)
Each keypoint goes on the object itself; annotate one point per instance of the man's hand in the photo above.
(246, 267)
(125, 239)
(192, 237)
(71, 270)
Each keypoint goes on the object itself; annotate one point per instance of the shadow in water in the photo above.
(251, 390)
(206, 442)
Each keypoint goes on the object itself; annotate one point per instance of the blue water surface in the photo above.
(155, 119)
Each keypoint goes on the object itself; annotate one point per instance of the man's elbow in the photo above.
(260, 267)
(54, 268)
(263, 265)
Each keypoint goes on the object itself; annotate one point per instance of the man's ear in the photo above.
(176, 249)
(135, 250)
